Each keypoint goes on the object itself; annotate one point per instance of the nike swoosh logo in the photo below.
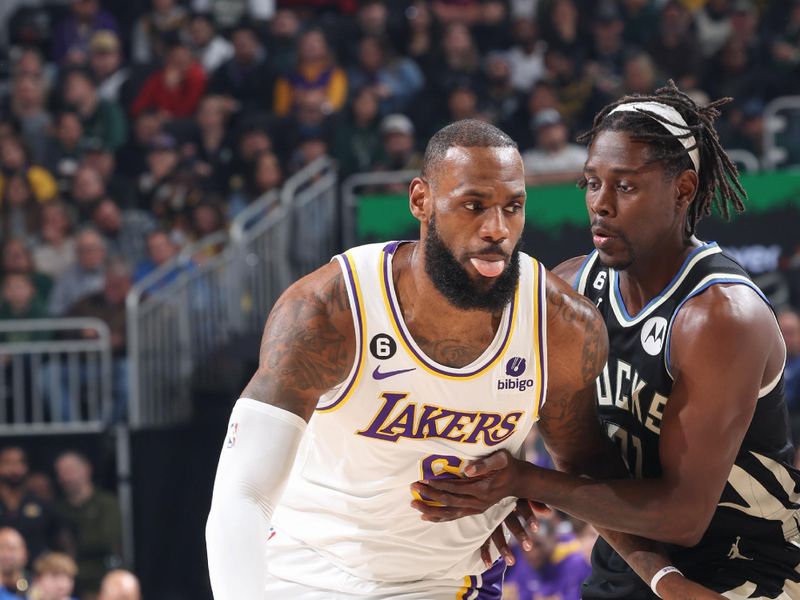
(376, 374)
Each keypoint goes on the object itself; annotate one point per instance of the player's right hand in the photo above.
(522, 522)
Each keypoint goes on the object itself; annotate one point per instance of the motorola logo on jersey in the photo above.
(515, 367)
(654, 334)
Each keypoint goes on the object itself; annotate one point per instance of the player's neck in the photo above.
(651, 273)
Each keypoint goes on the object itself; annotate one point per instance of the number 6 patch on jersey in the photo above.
(438, 466)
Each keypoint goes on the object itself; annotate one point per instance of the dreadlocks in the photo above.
(718, 185)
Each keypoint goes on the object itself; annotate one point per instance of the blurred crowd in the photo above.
(129, 129)
(59, 541)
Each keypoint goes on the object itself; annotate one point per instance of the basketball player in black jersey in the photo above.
(693, 390)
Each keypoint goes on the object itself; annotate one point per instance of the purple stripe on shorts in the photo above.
(492, 585)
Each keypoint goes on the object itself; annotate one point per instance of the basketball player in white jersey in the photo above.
(397, 362)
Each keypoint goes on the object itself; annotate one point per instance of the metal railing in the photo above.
(781, 118)
(746, 161)
(55, 376)
(350, 197)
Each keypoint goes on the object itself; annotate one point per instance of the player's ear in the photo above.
(419, 198)
(686, 189)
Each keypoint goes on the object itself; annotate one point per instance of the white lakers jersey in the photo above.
(400, 417)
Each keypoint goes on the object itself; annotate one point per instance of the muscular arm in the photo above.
(722, 343)
(308, 344)
(569, 424)
(307, 348)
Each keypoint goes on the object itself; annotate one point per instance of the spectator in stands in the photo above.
(462, 103)
(14, 580)
(85, 277)
(19, 301)
(608, 50)
(160, 250)
(309, 120)
(33, 518)
(554, 567)
(246, 79)
(579, 98)
(125, 231)
(785, 51)
(501, 99)
(399, 146)
(120, 585)
(108, 305)
(27, 105)
(713, 24)
(358, 141)
(41, 485)
(207, 218)
(266, 176)
(63, 152)
(789, 321)
(132, 158)
(457, 63)
(640, 75)
(210, 144)
(168, 185)
(71, 40)
(554, 159)
(14, 159)
(311, 146)
(53, 577)
(87, 189)
(733, 72)
(17, 259)
(101, 119)
(395, 80)
(107, 65)
(641, 21)
(252, 139)
(422, 31)
(93, 516)
(19, 209)
(175, 89)
(166, 19)
(209, 48)
(316, 70)
(54, 251)
(675, 49)
(526, 56)
(561, 30)
(282, 36)
(100, 158)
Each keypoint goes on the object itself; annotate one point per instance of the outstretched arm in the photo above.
(307, 348)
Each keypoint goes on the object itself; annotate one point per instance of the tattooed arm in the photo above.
(308, 346)
(307, 349)
(569, 425)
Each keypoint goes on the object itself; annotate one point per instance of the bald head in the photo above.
(120, 585)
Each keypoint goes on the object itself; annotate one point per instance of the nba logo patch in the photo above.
(233, 430)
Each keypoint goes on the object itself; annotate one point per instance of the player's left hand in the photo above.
(488, 480)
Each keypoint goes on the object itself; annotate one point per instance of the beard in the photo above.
(453, 281)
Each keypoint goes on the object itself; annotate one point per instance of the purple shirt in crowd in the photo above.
(559, 580)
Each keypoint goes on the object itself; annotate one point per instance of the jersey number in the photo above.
(438, 466)
(630, 447)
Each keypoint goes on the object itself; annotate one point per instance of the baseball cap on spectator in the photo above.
(396, 123)
(545, 118)
(104, 40)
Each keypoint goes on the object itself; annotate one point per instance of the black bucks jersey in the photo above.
(752, 545)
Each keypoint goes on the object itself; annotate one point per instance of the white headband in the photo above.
(672, 122)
